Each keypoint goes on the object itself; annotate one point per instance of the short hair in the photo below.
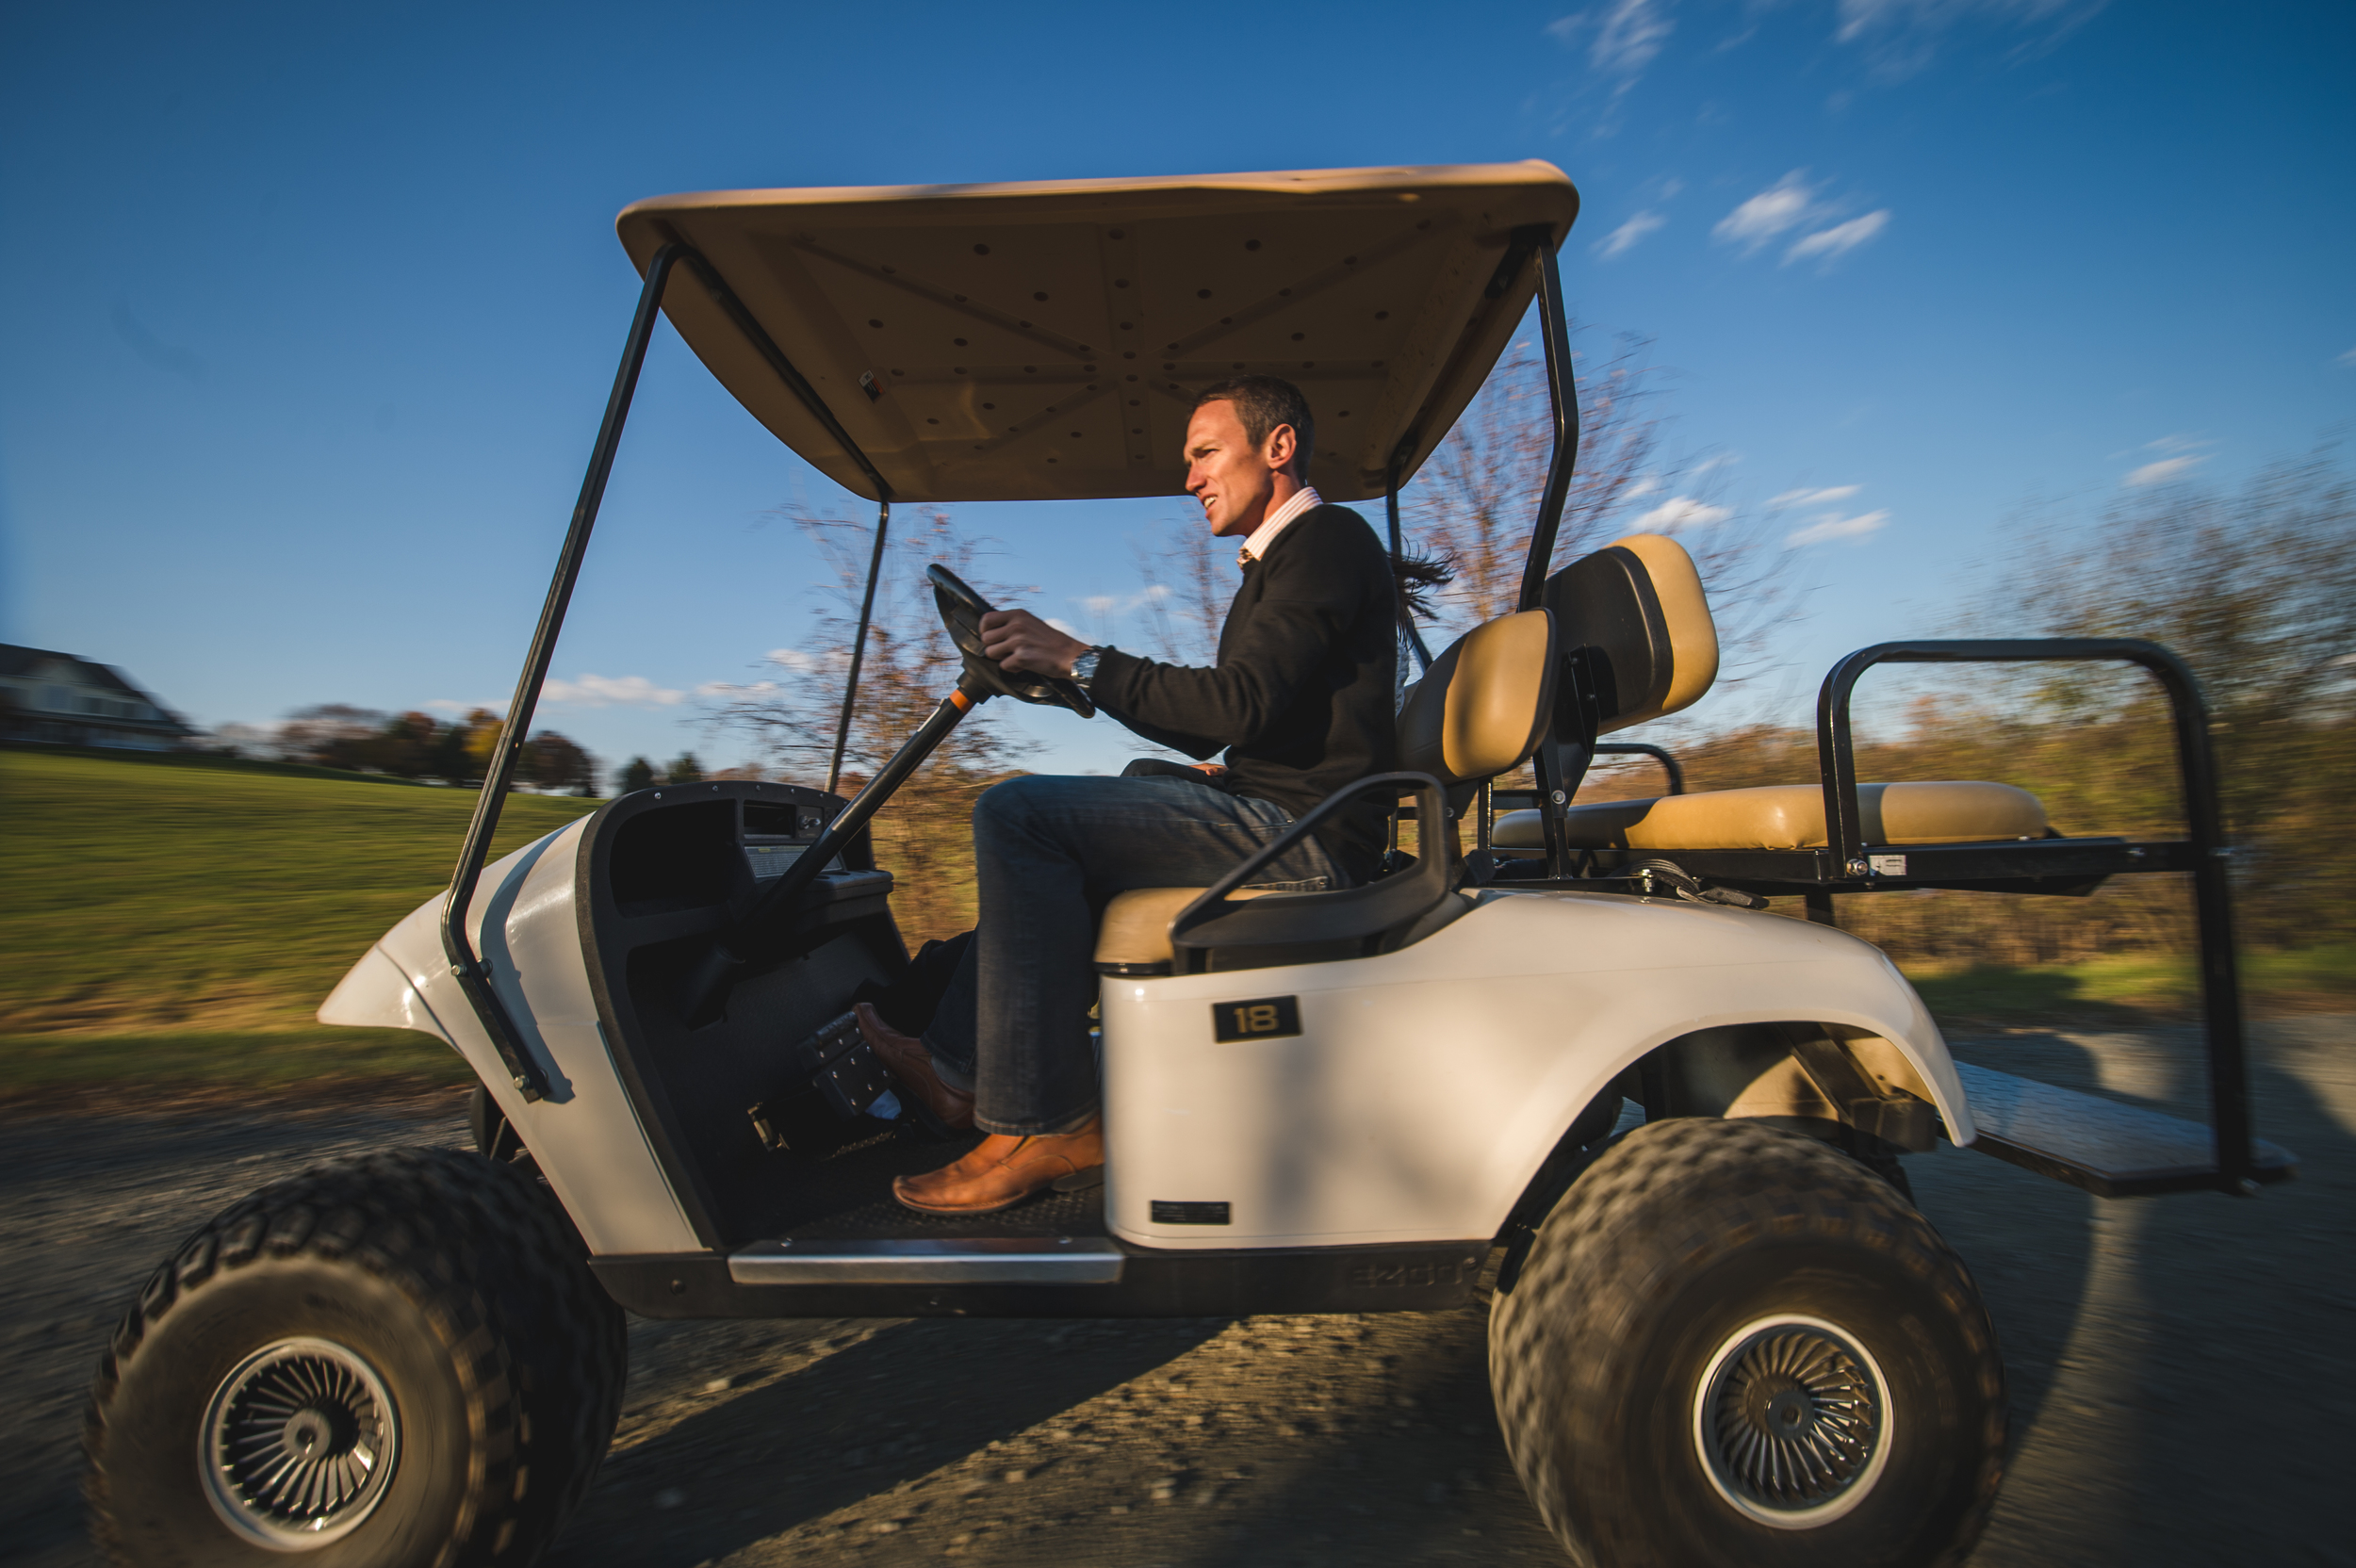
(1263, 402)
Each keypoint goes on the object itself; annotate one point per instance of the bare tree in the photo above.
(1477, 500)
(1187, 593)
(923, 835)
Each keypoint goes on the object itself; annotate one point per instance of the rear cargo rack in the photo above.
(2123, 1156)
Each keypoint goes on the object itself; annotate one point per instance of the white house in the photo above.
(64, 700)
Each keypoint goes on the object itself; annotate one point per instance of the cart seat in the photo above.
(1789, 816)
(1134, 936)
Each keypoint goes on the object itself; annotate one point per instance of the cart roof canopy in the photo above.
(1046, 340)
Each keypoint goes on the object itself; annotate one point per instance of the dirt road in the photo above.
(2181, 1372)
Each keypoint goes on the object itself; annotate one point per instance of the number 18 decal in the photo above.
(1267, 1018)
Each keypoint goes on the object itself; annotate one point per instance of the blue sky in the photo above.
(308, 313)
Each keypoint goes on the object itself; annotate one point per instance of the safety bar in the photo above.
(2220, 983)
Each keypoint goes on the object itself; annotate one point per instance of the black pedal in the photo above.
(843, 1067)
(822, 1044)
(854, 1081)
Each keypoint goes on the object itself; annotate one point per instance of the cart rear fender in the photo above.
(585, 1135)
(1420, 1090)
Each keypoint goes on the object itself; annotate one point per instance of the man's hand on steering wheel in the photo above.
(1018, 640)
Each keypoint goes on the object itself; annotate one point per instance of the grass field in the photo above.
(168, 924)
(172, 924)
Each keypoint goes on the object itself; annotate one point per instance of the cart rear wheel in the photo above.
(1733, 1344)
(399, 1360)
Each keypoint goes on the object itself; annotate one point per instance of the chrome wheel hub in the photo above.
(298, 1444)
(1792, 1421)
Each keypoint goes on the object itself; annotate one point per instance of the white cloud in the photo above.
(1624, 238)
(2347, 359)
(1787, 202)
(1813, 497)
(808, 663)
(1900, 36)
(1644, 485)
(1681, 513)
(600, 690)
(1833, 526)
(2165, 470)
(1627, 35)
(730, 689)
(1066, 628)
(1839, 239)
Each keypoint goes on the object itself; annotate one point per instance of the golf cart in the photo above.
(1722, 1335)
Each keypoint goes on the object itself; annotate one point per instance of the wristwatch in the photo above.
(1083, 668)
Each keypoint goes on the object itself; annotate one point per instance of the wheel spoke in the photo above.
(1790, 1420)
(299, 1443)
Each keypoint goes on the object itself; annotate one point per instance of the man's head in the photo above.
(1248, 451)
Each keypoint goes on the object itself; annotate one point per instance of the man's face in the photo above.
(1234, 480)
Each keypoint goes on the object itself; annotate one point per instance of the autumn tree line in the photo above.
(413, 745)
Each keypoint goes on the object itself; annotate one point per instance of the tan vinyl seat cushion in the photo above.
(1789, 816)
(1136, 927)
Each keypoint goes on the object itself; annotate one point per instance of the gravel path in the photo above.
(2181, 1371)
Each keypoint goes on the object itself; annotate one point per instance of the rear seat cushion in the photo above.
(1134, 935)
(1790, 816)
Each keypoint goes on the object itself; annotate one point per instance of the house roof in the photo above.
(1046, 340)
(24, 664)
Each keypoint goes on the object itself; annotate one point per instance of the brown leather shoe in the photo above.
(912, 1066)
(1003, 1169)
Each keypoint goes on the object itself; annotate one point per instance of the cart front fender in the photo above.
(585, 1136)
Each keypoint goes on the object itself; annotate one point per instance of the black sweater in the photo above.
(1304, 696)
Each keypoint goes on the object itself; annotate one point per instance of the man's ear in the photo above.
(1283, 444)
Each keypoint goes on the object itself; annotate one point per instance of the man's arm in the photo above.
(1313, 593)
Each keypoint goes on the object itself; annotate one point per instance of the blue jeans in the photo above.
(1049, 852)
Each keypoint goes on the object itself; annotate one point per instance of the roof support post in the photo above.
(858, 647)
(1563, 390)
(472, 974)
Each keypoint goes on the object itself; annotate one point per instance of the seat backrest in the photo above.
(1633, 614)
(1484, 706)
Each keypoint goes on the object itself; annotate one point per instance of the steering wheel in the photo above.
(961, 612)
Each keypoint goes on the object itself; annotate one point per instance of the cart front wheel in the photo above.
(402, 1359)
(1731, 1344)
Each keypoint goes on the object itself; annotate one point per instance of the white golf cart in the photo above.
(1721, 1336)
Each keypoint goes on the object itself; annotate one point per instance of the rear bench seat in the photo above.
(1789, 816)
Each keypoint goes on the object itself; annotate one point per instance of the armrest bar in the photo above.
(1640, 748)
(1435, 858)
(2220, 985)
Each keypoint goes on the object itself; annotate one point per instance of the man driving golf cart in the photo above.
(1724, 1335)
(1302, 701)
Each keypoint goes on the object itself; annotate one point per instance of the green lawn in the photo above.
(168, 922)
(2135, 986)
